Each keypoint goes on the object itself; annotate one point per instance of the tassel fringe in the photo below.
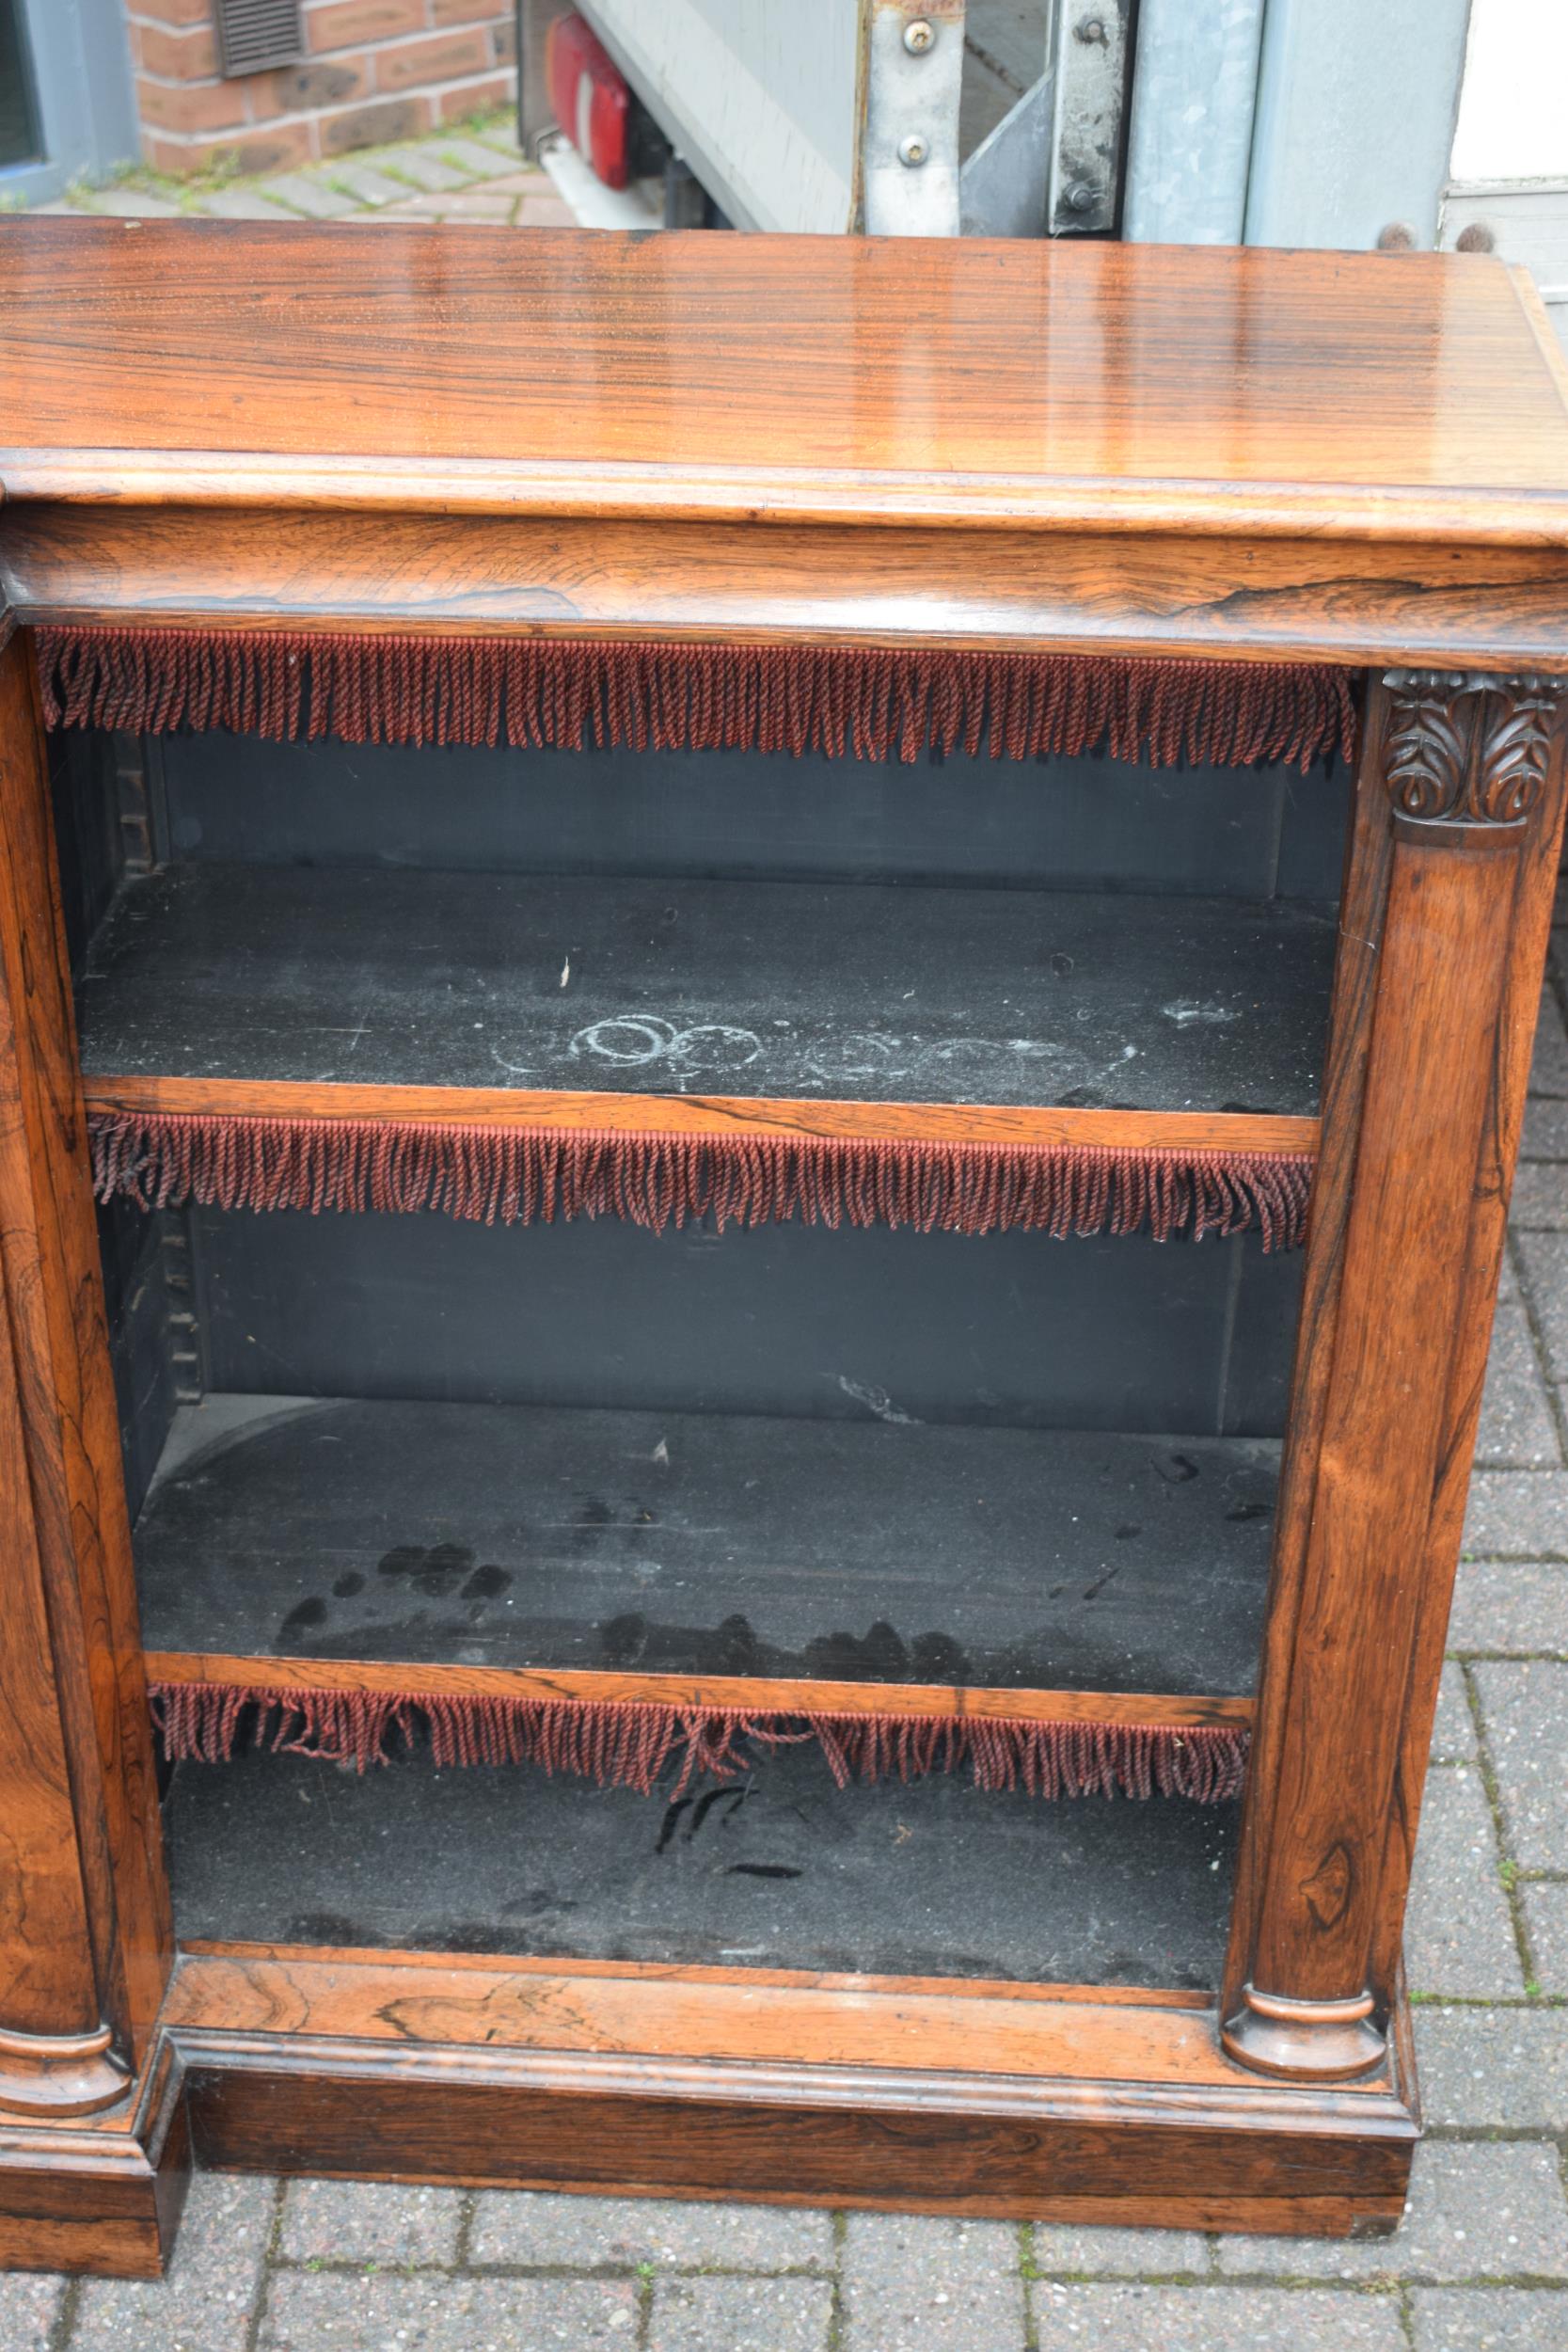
(869, 701)
(632, 1743)
(524, 1175)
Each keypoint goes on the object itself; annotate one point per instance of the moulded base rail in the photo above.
(1015, 2102)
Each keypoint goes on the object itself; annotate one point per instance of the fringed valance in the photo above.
(496, 1175)
(872, 702)
(633, 1742)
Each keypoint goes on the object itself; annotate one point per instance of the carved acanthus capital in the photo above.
(1468, 754)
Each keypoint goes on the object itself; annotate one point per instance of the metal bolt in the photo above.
(1081, 198)
(919, 35)
(913, 150)
(1091, 29)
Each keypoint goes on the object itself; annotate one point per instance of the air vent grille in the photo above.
(254, 34)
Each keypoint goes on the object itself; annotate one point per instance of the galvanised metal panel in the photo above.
(1195, 87)
(1354, 121)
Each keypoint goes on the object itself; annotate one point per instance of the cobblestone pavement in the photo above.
(469, 172)
(1481, 2263)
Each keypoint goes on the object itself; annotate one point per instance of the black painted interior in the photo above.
(947, 1437)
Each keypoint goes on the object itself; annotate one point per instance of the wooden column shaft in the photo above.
(1460, 807)
(84, 1923)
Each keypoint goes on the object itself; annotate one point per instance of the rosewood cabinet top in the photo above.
(1243, 392)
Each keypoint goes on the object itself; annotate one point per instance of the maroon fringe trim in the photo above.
(565, 693)
(528, 1175)
(630, 1742)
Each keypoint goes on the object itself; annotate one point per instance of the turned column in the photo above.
(1443, 934)
(83, 1925)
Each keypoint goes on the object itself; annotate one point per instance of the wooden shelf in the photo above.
(931, 1878)
(828, 1007)
(708, 1559)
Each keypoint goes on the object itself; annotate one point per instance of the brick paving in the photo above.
(467, 173)
(1481, 2263)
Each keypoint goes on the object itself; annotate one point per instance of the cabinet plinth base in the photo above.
(1326, 2041)
(101, 2196)
(934, 2095)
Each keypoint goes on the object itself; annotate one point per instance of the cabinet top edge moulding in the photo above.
(956, 383)
(1181, 450)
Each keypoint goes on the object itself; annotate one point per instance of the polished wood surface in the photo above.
(1458, 824)
(709, 1115)
(1529, 929)
(928, 2096)
(78, 2198)
(956, 382)
(752, 1694)
(1309, 599)
(85, 1932)
(763, 2016)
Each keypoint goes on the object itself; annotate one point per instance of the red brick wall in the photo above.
(374, 71)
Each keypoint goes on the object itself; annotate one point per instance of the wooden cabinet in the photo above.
(796, 978)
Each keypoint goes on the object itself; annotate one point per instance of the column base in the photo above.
(58, 2074)
(1324, 2041)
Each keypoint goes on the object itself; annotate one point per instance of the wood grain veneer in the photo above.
(1186, 387)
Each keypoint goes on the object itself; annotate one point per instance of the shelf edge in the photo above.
(1266, 1134)
(752, 1694)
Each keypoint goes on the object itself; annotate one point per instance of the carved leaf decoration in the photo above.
(1464, 749)
(1513, 760)
(1428, 752)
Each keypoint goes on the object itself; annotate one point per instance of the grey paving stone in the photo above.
(1213, 2319)
(1545, 1134)
(1509, 1605)
(311, 197)
(369, 2221)
(1120, 2253)
(740, 2315)
(365, 186)
(29, 2306)
(521, 2227)
(484, 161)
(1524, 1707)
(425, 168)
(1453, 1737)
(503, 136)
(1494, 2069)
(922, 2285)
(467, 204)
(1549, 1072)
(1478, 2210)
(240, 204)
(1518, 1427)
(1544, 1260)
(337, 2311)
(1546, 1926)
(1459, 1934)
(133, 204)
(1518, 1514)
(1489, 2319)
(205, 2302)
(1540, 1196)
